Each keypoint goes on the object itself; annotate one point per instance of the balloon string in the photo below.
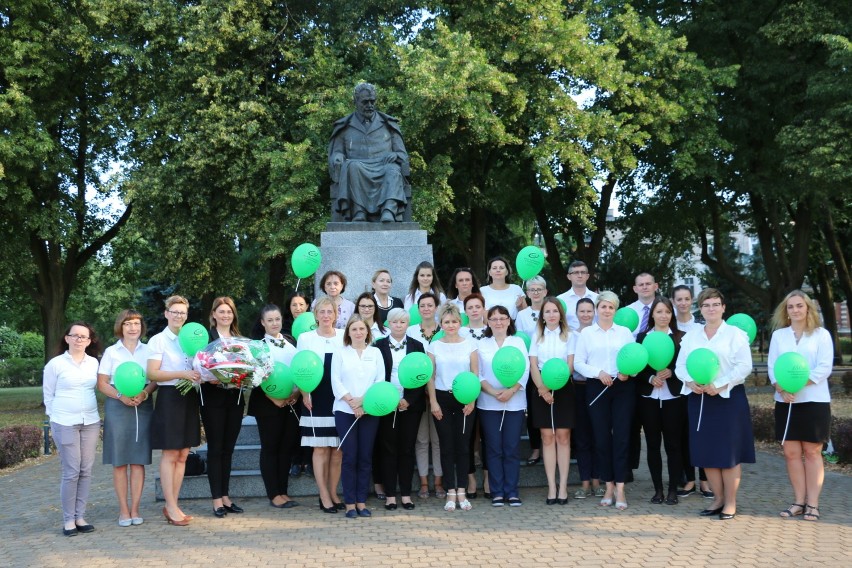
(296, 416)
(239, 394)
(136, 408)
(464, 423)
(314, 428)
(786, 426)
(200, 393)
(600, 395)
(394, 418)
(552, 424)
(340, 445)
(297, 284)
(700, 412)
(503, 417)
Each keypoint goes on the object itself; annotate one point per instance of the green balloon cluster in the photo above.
(792, 372)
(380, 399)
(415, 370)
(627, 317)
(305, 260)
(746, 323)
(508, 365)
(305, 322)
(306, 368)
(414, 315)
(529, 262)
(555, 373)
(702, 365)
(631, 358)
(279, 384)
(466, 387)
(129, 378)
(525, 338)
(660, 349)
(192, 338)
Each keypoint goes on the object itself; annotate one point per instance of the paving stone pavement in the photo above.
(578, 534)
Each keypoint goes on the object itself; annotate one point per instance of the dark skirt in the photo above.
(175, 424)
(123, 443)
(809, 421)
(563, 408)
(317, 425)
(724, 438)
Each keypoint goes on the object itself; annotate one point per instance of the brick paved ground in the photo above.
(579, 534)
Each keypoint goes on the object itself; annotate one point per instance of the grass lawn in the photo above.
(23, 405)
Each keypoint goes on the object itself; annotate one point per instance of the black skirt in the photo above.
(175, 424)
(563, 408)
(809, 421)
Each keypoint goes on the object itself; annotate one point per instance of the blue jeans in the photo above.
(357, 451)
(76, 445)
(503, 448)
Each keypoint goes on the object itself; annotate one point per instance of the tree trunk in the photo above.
(825, 297)
(275, 290)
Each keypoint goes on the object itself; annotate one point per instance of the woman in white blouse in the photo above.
(723, 440)
(127, 419)
(499, 292)
(553, 411)
(611, 395)
(69, 385)
(424, 280)
(501, 409)
(797, 330)
(353, 370)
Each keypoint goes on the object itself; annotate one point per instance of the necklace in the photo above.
(276, 342)
(401, 345)
(474, 334)
(431, 335)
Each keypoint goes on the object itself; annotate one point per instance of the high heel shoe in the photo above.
(175, 522)
(325, 509)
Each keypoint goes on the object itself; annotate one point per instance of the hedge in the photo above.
(18, 443)
(763, 423)
(21, 372)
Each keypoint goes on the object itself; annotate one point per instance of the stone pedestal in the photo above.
(359, 249)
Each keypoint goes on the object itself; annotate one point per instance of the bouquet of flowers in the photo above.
(235, 362)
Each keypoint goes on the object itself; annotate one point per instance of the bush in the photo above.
(32, 345)
(841, 437)
(763, 422)
(846, 379)
(18, 443)
(10, 343)
(20, 372)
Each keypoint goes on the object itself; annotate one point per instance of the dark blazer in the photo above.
(382, 313)
(416, 397)
(260, 405)
(644, 388)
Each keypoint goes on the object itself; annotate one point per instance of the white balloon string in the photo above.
(786, 426)
(200, 394)
(552, 424)
(340, 445)
(312, 422)
(502, 418)
(464, 422)
(297, 284)
(700, 412)
(394, 418)
(600, 395)
(296, 416)
(136, 408)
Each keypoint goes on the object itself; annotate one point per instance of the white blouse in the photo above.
(313, 341)
(450, 360)
(280, 349)
(597, 350)
(397, 355)
(817, 348)
(731, 346)
(487, 349)
(527, 321)
(117, 353)
(353, 375)
(165, 348)
(409, 301)
(552, 346)
(69, 390)
(505, 298)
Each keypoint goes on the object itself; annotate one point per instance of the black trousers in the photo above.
(582, 436)
(279, 440)
(222, 415)
(454, 432)
(397, 440)
(662, 424)
(612, 415)
(533, 433)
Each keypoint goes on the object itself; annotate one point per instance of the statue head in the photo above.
(365, 100)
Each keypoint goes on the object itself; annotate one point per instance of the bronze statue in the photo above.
(368, 164)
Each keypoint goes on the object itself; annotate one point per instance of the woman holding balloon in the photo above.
(582, 438)
(662, 410)
(713, 364)
(800, 361)
(610, 394)
(503, 371)
(354, 368)
(127, 413)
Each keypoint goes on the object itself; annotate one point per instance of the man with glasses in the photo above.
(578, 274)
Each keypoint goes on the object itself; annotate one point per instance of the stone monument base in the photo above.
(359, 249)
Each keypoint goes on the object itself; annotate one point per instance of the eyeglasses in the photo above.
(535, 290)
(578, 272)
(78, 337)
(177, 314)
(498, 320)
(713, 305)
(366, 307)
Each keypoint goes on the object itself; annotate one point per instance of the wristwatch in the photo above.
(118, 394)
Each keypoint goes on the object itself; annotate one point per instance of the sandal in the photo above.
(464, 504)
(439, 492)
(451, 501)
(811, 513)
(789, 513)
(424, 492)
(606, 502)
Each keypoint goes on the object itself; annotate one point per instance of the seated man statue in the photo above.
(368, 164)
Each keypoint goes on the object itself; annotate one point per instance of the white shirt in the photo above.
(639, 308)
(505, 298)
(374, 331)
(526, 320)
(397, 355)
(353, 375)
(817, 348)
(597, 350)
(415, 332)
(487, 349)
(165, 348)
(474, 334)
(117, 353)
(731, 346)
(69, 390)
(312, 341)
(409, 301)
(571, 298)
(283, 354)
(344, 312)
(450, 360)
(689, 325)
(552, 346)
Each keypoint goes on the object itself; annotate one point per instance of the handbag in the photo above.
(195, 465)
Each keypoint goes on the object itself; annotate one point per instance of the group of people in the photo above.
(598, 414)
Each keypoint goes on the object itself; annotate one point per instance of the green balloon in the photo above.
(555, 373)
(792, 372)
(631, 358)
(508, 365)
(279, 384)
(746, 323)
(307, 369)
(529, 262)
(525, 337)
(702, 365)
(380, 399)
(305, 322)
(465, 321)
(660, 348)
(466, 387)
(627, 317)
(437, 336)
(415, 370)
(564, 305)
(414, 314)
(129, 378)
(305, 260)
(193, 337)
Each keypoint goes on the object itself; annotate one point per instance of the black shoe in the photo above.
(563, 501)
(487, 495)
(295, 470)
(390, 506)
(657, 499)
(686, 492)
(220, 512)
(550, 501)
(710, 512)
(671, 498)
(284, 505)
(533, 461)
(234, 508)
(365, 512)
(408, 506)
(330, 510)
(726, 516)
(70, 532)
(471, 495)
(708, 494)
(339, 506)
(85, 528)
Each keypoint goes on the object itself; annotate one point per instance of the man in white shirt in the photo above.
(578, 274)
(646, 289)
